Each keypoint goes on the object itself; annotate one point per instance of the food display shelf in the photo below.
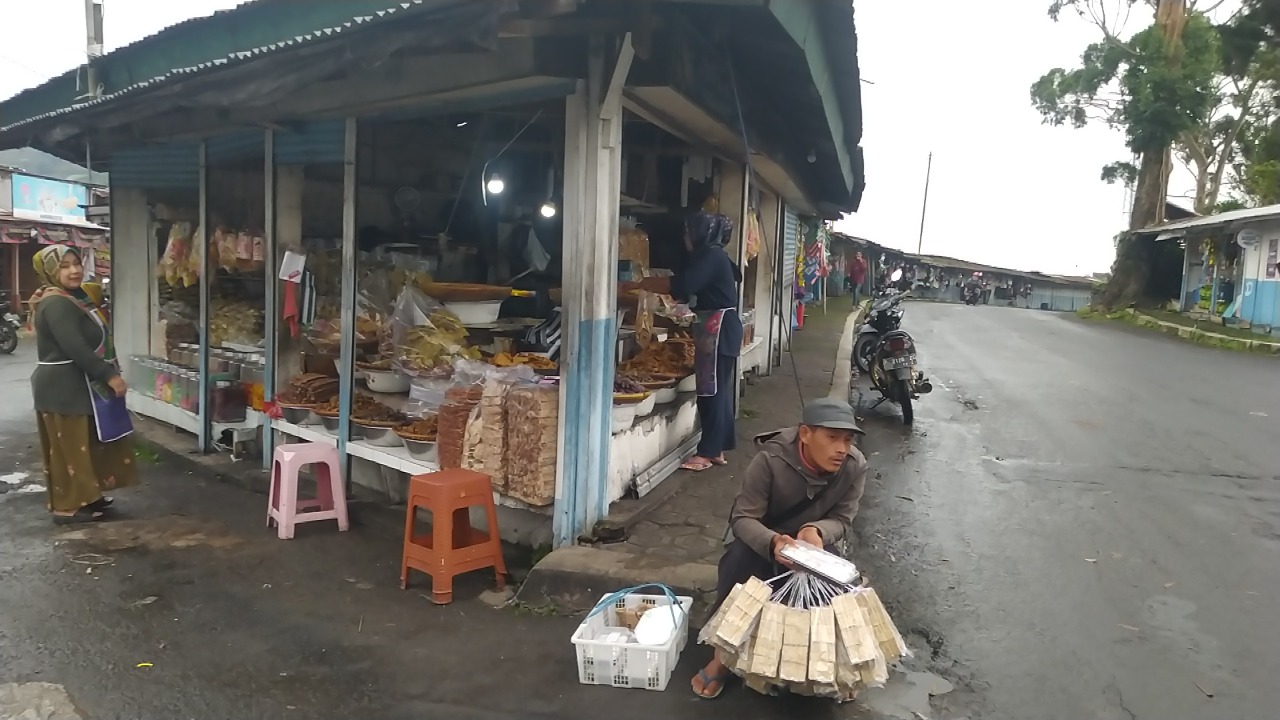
(185, 419)
(396, 458)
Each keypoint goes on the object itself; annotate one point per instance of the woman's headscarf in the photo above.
(48, 260)
(46, 263)
(708, 230)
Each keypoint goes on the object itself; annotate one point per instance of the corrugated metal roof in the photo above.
(230, 59)
(1177, 228)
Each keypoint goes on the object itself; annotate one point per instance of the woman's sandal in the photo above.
(101, 503)
(82, 516)
(719, 461)
(696, 466)
(708, 681)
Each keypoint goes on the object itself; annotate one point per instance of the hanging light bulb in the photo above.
(548, 209)
(495, 186)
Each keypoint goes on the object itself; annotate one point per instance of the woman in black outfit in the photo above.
(709, 284)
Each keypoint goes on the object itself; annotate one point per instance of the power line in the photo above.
(28, 68)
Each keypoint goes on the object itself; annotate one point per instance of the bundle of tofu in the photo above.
(836, 650)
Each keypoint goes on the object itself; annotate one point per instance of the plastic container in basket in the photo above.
(629, 664)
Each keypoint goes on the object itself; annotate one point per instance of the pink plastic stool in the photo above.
(286, 508)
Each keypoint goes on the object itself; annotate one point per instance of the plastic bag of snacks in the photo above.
(426, 338)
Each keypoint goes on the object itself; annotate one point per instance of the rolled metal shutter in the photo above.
(790, 239)
(235, 147)
(156, 167)
(311, 143)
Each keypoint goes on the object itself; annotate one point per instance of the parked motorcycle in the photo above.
(10, 322)
(884, 317)
(972, 294)
(894, 375)
(892, 363)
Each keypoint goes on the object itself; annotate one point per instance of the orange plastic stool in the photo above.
(452, 547)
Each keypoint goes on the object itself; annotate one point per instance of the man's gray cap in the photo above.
(830, 413)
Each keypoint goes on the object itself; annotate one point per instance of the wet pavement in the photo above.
(187, 607)
(1082, 524)
(1084, 521)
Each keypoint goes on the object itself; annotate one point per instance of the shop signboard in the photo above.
(46, 200)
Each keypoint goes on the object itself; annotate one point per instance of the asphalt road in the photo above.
(1084, 521)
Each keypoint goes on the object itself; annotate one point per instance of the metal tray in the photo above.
(817, 561)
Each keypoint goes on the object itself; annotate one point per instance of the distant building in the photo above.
(36, 211)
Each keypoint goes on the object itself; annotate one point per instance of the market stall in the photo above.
(392, 287)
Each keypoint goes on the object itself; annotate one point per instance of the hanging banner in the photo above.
(36, 198)
(1273, 245)
(815, 259)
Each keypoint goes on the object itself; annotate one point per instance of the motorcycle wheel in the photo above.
(863, 349)
(903, 391)
(8, 340)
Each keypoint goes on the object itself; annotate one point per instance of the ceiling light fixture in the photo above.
(548, 209)
(492, 184)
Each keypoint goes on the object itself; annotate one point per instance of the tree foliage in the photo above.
(1251, 44)
(1131, 85)
(1179, 87)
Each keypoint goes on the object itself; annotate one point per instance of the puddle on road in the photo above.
(19, 483)
(906, 695)
(164, 533)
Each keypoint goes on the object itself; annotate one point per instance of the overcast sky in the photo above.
(951, 77)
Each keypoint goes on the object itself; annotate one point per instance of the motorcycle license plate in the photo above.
(895, 363)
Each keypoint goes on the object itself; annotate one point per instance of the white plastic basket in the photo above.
(628, 665)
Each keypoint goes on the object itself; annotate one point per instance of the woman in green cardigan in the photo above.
(73, 345)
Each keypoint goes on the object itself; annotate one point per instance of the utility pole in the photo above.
(93, 46)
(928, 173)
(92, 51)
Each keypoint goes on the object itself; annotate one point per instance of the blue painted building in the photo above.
(1235, 258)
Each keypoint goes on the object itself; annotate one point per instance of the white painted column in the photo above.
(132, 274)
(767, 267)
(593, 172)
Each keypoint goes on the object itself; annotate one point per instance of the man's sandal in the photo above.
(708, 681)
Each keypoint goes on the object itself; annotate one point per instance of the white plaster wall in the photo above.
(132, 276)
(652, 438)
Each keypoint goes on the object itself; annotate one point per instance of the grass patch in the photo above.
(1209, 326)
(1204, 333)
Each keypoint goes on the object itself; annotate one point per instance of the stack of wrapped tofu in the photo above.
(834, 648)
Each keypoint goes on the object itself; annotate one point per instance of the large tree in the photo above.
(1251, 44)
(1158, 86)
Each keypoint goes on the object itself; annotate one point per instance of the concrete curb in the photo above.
(1201, 337)
(844, 353)
(574, 578)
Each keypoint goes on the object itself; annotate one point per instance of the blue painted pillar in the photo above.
(347, 346)
(592, 172)
(204, 434)
(1186, 275)
(270, 304)
(1213, 292)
